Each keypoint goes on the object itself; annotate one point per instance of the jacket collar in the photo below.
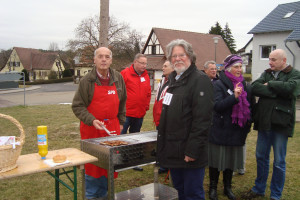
(225, 80)
(134, 73)
(183, 78)
(93, 76)
(285, 70)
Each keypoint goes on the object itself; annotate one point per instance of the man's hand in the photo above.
(188, 159)
(266, 83)
(97, 124)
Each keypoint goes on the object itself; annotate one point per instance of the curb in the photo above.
(19, 90)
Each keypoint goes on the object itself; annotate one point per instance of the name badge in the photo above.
(167, 99)
(142, 79)
(229, 92)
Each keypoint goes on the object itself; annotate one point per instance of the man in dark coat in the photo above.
(182, 139)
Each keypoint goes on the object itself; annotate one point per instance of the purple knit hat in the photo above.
(231, 60)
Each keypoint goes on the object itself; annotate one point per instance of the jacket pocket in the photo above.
(175, 144)
(282, 116)
(173, 149)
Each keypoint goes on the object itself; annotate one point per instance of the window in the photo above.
(288, 15)
(153, 49)
(266, 50)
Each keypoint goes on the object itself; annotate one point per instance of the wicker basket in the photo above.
(8, 155)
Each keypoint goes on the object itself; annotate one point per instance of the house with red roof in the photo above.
(203, 45)
(37, 63)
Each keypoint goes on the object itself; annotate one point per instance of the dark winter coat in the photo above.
(275, 109)
(185, 123)
(223, 132)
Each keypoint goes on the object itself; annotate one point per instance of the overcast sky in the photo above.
(37, 23)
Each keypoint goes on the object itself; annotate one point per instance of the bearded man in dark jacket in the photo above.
(182, 140)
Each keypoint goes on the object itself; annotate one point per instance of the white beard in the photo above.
(180, 69)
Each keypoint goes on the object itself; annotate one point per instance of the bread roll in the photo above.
(59, 158)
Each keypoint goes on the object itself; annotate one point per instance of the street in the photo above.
(44, 94)
(57, 93)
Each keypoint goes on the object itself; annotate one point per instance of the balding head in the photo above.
(103, 49)
(280, 53)
(103, 60)
(277, 60)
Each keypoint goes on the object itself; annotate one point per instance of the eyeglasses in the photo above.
(183, 55)
(141, 63)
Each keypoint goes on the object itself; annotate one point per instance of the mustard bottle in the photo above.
(42, 140)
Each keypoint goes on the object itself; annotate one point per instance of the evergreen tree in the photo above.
(225, 34)
(229, 40)
(217, 30)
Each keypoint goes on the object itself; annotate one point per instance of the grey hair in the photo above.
(139, 55)
(229, 68)
(187, 48)
(95, 52)
(208, 63)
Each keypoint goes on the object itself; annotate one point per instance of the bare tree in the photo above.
(53, 46)
(123, 41)
(88, 30)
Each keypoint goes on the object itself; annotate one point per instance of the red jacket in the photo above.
(138, 92)
(159, 97)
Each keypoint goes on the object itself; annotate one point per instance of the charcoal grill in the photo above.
(139, 151)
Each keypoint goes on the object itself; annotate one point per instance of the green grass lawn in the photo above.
(63, 132)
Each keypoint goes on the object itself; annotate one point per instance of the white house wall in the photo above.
(249, 47)
(277, 39)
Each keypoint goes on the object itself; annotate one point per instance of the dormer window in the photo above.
(289, 14)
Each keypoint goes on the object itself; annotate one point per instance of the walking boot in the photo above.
(213, 183)
(227, 178)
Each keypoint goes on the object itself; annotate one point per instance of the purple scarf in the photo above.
(240, 111)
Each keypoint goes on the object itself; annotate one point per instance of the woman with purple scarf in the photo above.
(231, 124)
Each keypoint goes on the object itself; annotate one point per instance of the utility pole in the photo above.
(104, 21)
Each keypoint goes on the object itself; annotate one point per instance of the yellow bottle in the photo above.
(42, 140)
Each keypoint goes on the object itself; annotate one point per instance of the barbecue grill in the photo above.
(139, 150)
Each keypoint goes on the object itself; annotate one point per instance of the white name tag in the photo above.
(167, 98)
(229, 92)
(142, 79)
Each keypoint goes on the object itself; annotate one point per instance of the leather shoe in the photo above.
(251, 195)
(161, 171)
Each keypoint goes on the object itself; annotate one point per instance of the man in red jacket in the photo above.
(138, 89)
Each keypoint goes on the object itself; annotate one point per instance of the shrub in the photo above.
(67, 73)
(25, 74)
(52, 75)
(248, 77)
